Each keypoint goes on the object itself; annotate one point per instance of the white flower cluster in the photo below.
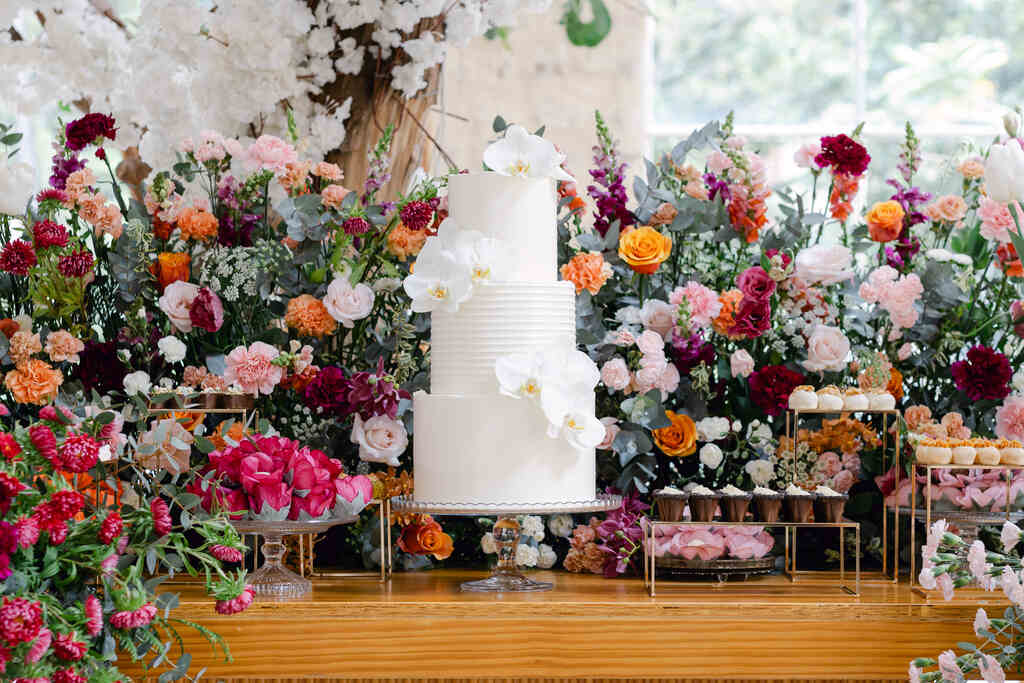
(240, 271)
(530, 552)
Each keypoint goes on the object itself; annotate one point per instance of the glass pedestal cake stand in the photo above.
(506, 577)
(273, 579)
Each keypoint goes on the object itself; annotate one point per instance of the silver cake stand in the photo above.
(506, 577)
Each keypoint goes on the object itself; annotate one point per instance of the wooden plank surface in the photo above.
(420, 626)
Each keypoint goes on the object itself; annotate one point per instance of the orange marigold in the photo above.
(726, 320)
(197, 224)
(587, 270)
(308, 316)
(403, 242)
(34, 382)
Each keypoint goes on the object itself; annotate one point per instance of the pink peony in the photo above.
(176, 302)
(615, 374)
(996, 220)
(252, 370)
(702, 303)
(270, 152)
(611, 430)
(658, 316)
(1010, 419)
(741, 363)
(827, 349)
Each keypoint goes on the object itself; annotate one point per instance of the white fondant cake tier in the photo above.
(500, 318)
(494, 449)
(521, 212)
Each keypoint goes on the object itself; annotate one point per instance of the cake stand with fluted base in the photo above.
(273, 579)
(506, 577)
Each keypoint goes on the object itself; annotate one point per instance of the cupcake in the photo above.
(855, 399)
(798, 504)
(767, 505)
(803, 398)
(964, 453)
(829, 505)
(703, 502)
(881, 400)
(988, 454)
(735, 503)
(1011, 452)
(933, 452)
(670, 503)
(830, 398)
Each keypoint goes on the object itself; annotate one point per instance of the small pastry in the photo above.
(881, 400)
(803, 398)
(988, 454)
(1011, 452)
(932, 452)
(734, 503)
(829, 398)
(964, 453)
(855, 399)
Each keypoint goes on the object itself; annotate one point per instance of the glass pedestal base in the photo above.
(506, 582)
(274, 580)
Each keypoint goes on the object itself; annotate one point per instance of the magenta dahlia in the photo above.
(46, 234)
(416, 215)
(79, 453)
(75, 264)
(136, 618)
(93, 616)
(67, 648)
(66, 504)
(68, 675)
(356, 225)
(237, 604)
(985, 374)
(110, 528)
(17, 258)
(20, 620)
(45, 441)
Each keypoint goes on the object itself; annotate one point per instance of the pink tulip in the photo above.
(271, 501)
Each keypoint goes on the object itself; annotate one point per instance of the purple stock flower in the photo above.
(611, 201)
(717, 188)
(62, 168)
(689, 352)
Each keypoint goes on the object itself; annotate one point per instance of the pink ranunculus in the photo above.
(615, 374)
(824, 263)
(651, 343)
(611, 430)
(252, 370)
(207, 311)
(741, 363)
(843, 481)
(755, 283)
(270, 152)
(702, 303)
(1010, 418)
(658, 316)
(271, 502)
(346, 303)
(381, 439)
(804, 156)
(996, 220)
(827, 349)
(176, 303)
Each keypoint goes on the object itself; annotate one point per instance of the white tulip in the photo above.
(1004, 172)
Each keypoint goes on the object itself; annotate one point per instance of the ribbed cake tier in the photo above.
(500, 318)
(494, 449)
(521, 212)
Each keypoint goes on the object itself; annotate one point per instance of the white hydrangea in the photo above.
(526, 555)
(546, 556)
(533, 526)
(561, 526)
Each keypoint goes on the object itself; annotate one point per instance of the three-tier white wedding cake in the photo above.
(510, 414)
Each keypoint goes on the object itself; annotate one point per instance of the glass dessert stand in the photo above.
(506, 577)
(273, 579)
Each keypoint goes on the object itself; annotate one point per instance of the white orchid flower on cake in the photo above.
(519, 153)
(438, 280)
(479, 254)
(520, 375)
(582, 430)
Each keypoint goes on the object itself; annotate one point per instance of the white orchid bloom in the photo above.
(438, 280)
(479, 254)
(519, 375)
(519, 153)
(582, 430)
(1004, 172)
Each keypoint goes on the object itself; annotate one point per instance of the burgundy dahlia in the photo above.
(110, 528)
(356, 225)
(771, 386)
(161, 516)
(46, 234)
(753, 318)
(99, 368)
(843, 154)
(689, 352)
(17, 258)
(416, 215)
(328, 390)
(985, 374)
(207, 311)
(88, 130)
(75, 264)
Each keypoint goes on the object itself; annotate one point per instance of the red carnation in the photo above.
(356, 225)
(89, 130)
(68, 675)
(111, 528)
(44, 440)
(9, 488)
(67, 648)
(844, 154)
(75, 264)
(416, 215)
(771, 386)
(79, 453)
(46, 234)
(986, 374)
(9, 447)
(161, 516)
(17, 258)
(20, 620)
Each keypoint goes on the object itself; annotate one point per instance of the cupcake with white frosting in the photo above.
(854, 399)
(830, 398)
(803, 398)
(734, 503)
(670, 502)
(933, 452)
(703, 503)
(881, 400)
(1010, 452)
(767, 504)
(798, 504)
(829, 505)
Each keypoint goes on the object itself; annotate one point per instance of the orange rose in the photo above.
(197, 224)
(170, 267)
(308, 316)
(678, 439)
(587, 270)
(426, 538)
(8, 327)
(644, 249)
(34, 381)
(895, 386)
(723, 324)
(403, 242)
(885, 221)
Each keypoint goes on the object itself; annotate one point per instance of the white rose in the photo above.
(487, 544)
(380, 439)
(546, 556)
(711, 455)
(106, 455)
(759, 431)
(172, 349)
(17, 184)
(827, 349)
(526, 556)
(940, 255)
(712, 428)
(761, 472)
(741, 363)
(659, 316)
(387, 284)
(561, 526)
(824, 263)
(1004, 172)
(346, 303)
(137, 383)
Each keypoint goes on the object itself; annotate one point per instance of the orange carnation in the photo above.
(644, 249)
(726, 320)
(403, 242)
(34, 381)
(308, 316)
(170, 267)
(678, 439)
(587, 270)
(197, 224)
(885, 221)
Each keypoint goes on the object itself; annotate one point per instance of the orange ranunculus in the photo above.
(1008, 260)
(678, 439)
(403, 242)
(726, 320)
(197, 224)
(895, 386)
(885, 221)
(8, 327)
(587, 270)
(308, 316)
(34, 381)
(426, 538)
(170, 267)
(644, 249)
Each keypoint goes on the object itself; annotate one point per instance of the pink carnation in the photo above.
(1010, 419)
(615, 374)
(996, 220)
(270, 152)
(252, 369)
(702, 303)
(237, 604)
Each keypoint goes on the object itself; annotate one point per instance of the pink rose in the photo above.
(615, 374)
(611, 430)
(741, 363)
(1017, 317)
(176, 303)
(252, 369)
(305, 472)
(827, 349)
(824, 263)
(905, 351)
(346, 303)
(843, 481)
(702, 303)
(381, 439)
(256, 469)
(1010, 419)
(804, 156)
(270, 152)
(352, 495)
(658, 316)
(206, 311)
(755, 283)
(668, 381)
(651, 343)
